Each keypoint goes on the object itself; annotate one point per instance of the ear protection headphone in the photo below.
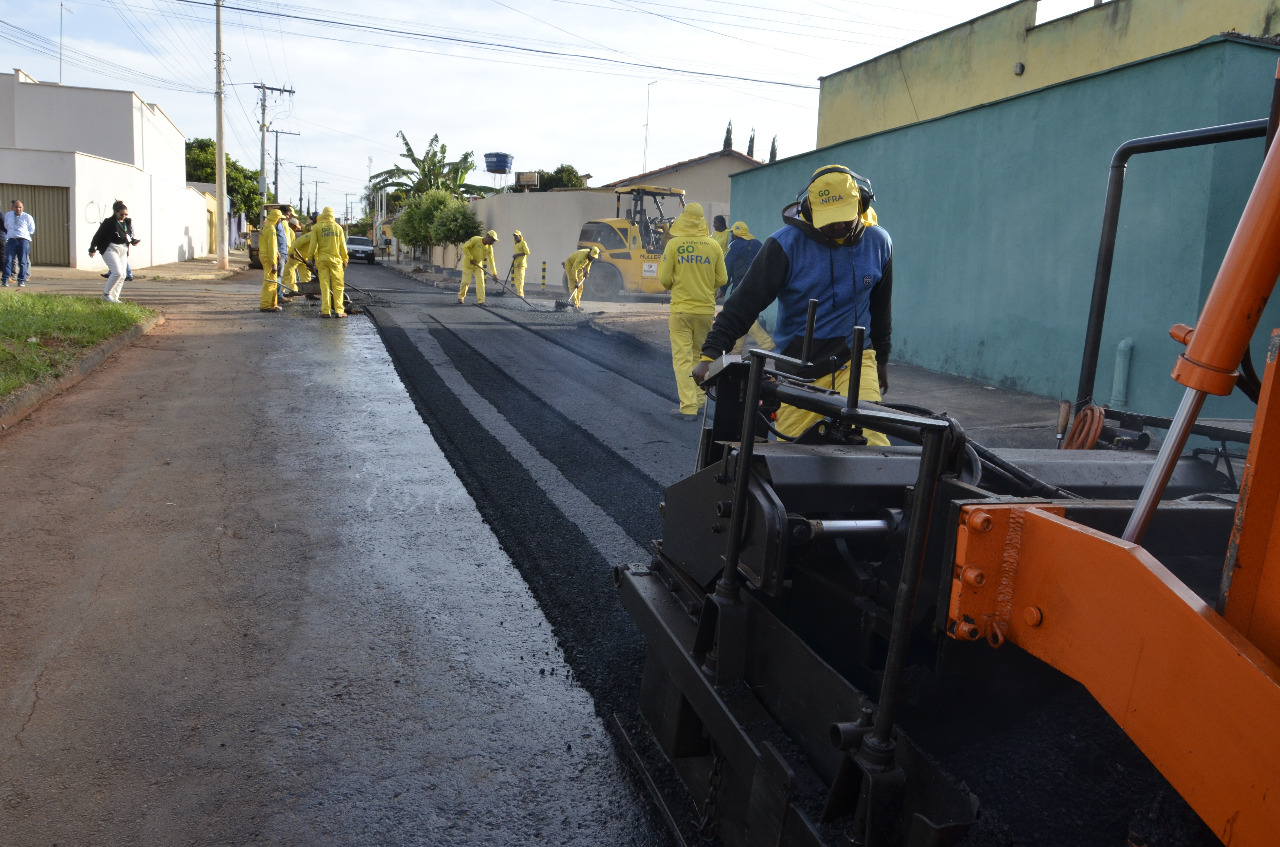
(866, 196)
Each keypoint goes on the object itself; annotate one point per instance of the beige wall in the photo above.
(973, 63)
(550, 222)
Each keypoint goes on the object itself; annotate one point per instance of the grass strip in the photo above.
(41, 335)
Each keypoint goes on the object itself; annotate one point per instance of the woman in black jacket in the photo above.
(112, 240)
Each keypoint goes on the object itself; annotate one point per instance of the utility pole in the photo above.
(347, 202)
(301, 199)
(318, 182)
(276, 184)
(220, 153)
(262, 156)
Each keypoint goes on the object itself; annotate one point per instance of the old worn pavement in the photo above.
(243, 598)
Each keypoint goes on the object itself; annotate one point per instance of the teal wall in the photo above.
(995, 214)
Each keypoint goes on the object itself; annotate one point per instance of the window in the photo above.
(604, 235)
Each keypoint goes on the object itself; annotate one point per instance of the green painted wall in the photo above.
(995, 214)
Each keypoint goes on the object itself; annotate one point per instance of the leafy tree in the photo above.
(454, 224)
(414, 224)
(728, 136)
(773, 150)
(429, 172)
(751, 144)
(242, 183)
(565, 176)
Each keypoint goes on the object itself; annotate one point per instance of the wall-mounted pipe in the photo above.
(1111, 223)
(1120, 379)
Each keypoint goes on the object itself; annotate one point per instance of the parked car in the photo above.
(359, 247)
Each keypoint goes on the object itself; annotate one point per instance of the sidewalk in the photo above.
(202, 268)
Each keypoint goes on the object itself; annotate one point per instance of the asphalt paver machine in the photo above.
(809, 601)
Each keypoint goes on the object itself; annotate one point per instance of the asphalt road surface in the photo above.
(246, 596)
(562, 435)
(245, 599)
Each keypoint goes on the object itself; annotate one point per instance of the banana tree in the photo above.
(429, 172)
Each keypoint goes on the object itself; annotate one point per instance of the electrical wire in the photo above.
(808, 30)
(149, 41)
(406, 29)
(498, 47)
(707, 30)
(77, 58)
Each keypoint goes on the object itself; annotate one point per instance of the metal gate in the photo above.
(51, 208)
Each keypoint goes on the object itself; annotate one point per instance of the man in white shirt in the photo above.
(18, 228)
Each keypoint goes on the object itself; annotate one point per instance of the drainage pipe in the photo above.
(1120, 379)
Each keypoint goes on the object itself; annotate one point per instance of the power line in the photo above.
(146, 43)
(822, 31)
(85, 61)
(506, 48)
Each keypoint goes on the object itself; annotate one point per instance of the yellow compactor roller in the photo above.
(630, 245)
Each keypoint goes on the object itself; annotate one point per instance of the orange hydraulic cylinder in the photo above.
(1197, 698)
(1239, 293)
(1252, 572)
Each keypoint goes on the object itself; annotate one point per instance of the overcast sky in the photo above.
(548, 81)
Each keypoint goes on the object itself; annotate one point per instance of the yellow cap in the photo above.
(739, 229)
(833, 198)
(595, 252)
(518, 234)
(492, 234)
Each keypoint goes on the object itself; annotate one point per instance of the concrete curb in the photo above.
(26, 401)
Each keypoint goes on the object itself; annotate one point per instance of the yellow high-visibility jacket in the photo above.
(476, 251)
(578, 266)
(692, 265)
(269, 250)
(328, 241)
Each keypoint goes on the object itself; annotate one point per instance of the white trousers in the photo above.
(117, 257)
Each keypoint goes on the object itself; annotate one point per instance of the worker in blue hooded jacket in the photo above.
(824, 252)
(743, 247)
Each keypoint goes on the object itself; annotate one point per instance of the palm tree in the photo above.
(429, 172)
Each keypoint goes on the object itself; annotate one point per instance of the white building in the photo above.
(69, 153)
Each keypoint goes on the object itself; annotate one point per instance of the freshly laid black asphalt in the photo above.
(561, 435)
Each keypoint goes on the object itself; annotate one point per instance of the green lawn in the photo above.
(42, 334)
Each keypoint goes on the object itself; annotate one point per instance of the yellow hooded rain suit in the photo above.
(328, 247)
(475, 253)
(576, 270)
(692, 268)
(298, 262)
(270, 253)
(519, 260)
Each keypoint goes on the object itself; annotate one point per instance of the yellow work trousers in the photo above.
(269, 300)
(793, 421)
(298, 266)
(331, 285)
(758, 336)
(687, 334)
(517, 278)
(469, 271)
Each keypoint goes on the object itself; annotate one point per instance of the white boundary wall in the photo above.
(169, 218)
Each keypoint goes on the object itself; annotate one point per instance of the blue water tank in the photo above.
(498, 163)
